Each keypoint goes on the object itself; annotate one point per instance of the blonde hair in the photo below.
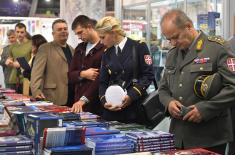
(108, 24)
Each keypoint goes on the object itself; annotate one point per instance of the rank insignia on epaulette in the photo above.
(217, 39)
(199, 45)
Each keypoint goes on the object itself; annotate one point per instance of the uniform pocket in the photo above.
(207, 67)
(170, 72)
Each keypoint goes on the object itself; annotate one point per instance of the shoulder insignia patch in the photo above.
(217, 39)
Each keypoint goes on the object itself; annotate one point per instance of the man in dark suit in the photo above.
(207, 121)
(84, 69)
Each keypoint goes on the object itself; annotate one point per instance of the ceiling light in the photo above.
(15, 1)
(48, 0)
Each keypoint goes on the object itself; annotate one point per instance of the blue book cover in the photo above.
(149, 135)
(15, 141)
(68, 116)
(36, 123)
(17, 153)
(15, 148)
(100, 131)
(85, 124)
(77, 149)
(55, 137)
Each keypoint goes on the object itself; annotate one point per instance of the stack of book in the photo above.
(110, 144)
(65, 141)
(68, 150)
(54, 137)
(197, 151)
(126, 127)
(54, 108)
(86, 116)
(35, 125)
(94, 131)
(85, 124)
(19, 115)
(13, 145)
(153, 141)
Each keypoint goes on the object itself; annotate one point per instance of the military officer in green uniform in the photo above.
(197, 120)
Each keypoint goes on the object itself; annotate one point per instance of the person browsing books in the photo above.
(22, 48)
(197, 120)
(49, 78)
(5, 54)
(84, 69)
(117, 70)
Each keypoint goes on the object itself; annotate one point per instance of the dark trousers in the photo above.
(217, 149)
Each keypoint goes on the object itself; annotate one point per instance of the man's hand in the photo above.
(112, 107)
(9, 62)
(90, 74)
(193, 115)
(16, 64)
(40, 96)
(77, 106)
(174, 108)
(126, 101)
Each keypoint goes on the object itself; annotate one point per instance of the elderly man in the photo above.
(5, 54)
(198, 120)
(49, 78)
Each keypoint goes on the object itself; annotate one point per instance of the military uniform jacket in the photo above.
(50, 73)
(85, 87)
(119, 70)
(206, 57)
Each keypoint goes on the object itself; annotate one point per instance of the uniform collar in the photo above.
(122, 43)
(195, 40)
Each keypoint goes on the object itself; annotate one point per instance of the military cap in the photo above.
(207, 86)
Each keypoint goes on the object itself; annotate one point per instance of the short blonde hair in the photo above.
(108, 24)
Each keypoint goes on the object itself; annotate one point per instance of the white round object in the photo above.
(114, 95)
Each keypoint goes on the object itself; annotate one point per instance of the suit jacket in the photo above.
(178, 83)
(119, 70)
(85, 87)
(49, 73)
(6, 70)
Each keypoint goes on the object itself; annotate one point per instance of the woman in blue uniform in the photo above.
(117, 69)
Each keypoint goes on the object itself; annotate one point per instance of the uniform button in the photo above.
(182, 72)
(180, 85)
(180, 98)
(201, 68)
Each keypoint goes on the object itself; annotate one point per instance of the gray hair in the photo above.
(178, 17)
(10, 32)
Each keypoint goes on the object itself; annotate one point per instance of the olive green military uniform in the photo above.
(206, 56)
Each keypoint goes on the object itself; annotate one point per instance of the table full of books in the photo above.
(41, 128)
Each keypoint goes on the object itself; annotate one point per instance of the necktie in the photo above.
(119, 51)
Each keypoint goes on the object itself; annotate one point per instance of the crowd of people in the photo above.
(79, 77)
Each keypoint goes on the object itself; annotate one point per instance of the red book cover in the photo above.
(54, 108)
(197, 151)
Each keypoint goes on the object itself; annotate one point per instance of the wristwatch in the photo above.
(84, 99)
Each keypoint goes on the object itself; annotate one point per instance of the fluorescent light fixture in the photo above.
(48, 0)
(15, 1)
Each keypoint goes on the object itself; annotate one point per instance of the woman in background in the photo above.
(37, 41)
